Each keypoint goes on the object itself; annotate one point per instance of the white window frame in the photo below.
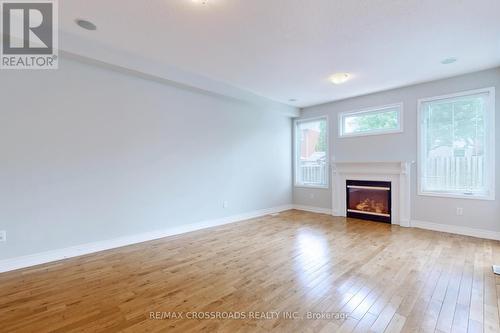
(490, 148)
(296, 152)
(399, 129)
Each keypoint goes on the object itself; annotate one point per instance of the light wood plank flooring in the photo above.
(386, 278)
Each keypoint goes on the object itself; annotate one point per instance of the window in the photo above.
(380, 120)
(311, 152)
(456, 154)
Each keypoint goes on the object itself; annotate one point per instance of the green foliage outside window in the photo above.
(322, 144)
(371, 122)
(458, 124)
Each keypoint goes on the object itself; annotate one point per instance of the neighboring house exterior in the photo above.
(312, 162)
(308, 143)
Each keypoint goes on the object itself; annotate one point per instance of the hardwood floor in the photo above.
(385, 278)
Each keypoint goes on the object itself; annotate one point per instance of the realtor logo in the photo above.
(29, 35)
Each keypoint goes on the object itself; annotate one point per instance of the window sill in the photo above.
(370, 133)
(458, 196)
(321, 187)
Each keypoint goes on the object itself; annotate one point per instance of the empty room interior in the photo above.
(250, 166)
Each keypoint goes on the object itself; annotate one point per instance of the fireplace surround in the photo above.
(398, 173)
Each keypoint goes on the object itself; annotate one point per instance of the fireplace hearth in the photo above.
(369, 200)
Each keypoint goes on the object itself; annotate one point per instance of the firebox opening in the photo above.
(369, 200)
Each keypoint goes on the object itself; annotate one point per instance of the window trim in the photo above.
(490, 150)
(296, 150)
(342, 115)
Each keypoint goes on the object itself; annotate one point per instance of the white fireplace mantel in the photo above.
(397, 172)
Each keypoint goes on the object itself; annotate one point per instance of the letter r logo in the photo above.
(27, 27)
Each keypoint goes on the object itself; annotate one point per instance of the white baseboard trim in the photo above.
(313, 209)
(404, 223)
(453, 229)
(82, 249)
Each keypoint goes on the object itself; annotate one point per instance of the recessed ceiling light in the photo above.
(201, 2)
(292, 100)
(339, 78)
(87, 25)
(448, 61)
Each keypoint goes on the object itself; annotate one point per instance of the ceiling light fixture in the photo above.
(339, 78)
(201, 2)
(292, 100)
(87, 25)
(448, 61)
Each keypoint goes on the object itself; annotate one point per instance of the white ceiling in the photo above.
(286, 49)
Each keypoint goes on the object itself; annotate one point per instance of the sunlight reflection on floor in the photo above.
(312, 263)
